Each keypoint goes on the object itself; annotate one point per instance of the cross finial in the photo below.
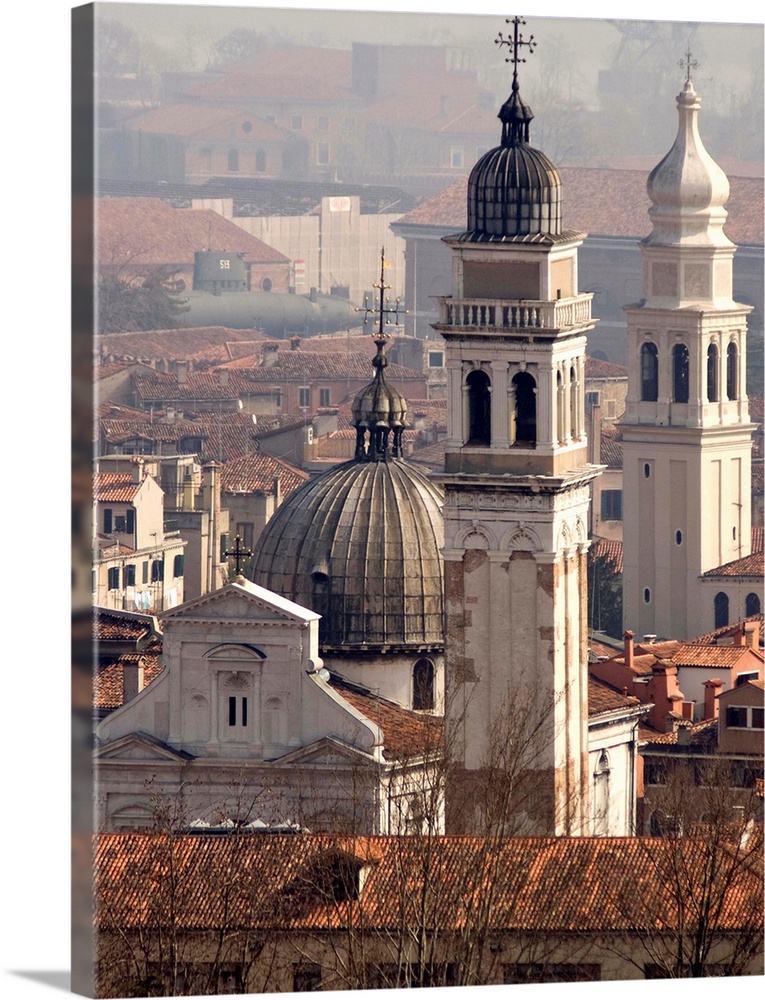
(238, 553)
(384, 308)
(689, 63)
(516, 42)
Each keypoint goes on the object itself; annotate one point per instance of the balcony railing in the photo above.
(515, 314)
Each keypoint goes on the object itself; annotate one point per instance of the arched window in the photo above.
(233, 160)
(423, 686)
(260, 161)
(721, 609)
(479, 408)
(274, 721)
(525, 409)
(712, 366)
(732, 372)
(573, 389)
(752, 604)
(649, 373)
(680, 380)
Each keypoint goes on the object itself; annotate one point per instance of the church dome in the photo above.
(361, 543)
(514, 190)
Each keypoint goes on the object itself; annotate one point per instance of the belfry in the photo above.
(517, 484)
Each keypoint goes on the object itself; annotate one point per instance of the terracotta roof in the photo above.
(115, 487)
(204, 121)
(432, 456)
(107, 683)
(198, 386)
(147, 231)
(611, 446)
(305, 82)
(703, 736)
(604, 202)
(405, 733)
(602, 698)
(257, 472)
(313, 365)
(581, 884)
(697, 655)
(726, 631)
(600, 369)
(612, 550)
(109, 625)
(758, 538)
(209, 343)
(751, 565)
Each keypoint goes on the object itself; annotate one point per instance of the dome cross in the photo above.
(689, 63)
(516, 42)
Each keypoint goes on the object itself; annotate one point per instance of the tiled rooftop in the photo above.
(211, 343)
(602, 697)
(609, 549)
(107, 683)
(257, 472)
(147, 231)
(703, 736)
(752, 565)
(583, 884)
(604, 202)
(200, 121)
(611, 446)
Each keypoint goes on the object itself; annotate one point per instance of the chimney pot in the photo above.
(629, 647)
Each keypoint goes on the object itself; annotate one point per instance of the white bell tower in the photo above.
(517, 487)
(687, 438)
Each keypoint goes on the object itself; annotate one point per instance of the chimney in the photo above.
(181, 371)
(739, 636)
(222, 376)
(132, 679)
(629, 648)
(688, 710)
(295, 343)
(712, 689)
(277, 491)
(138, 464)
(270, 355)
(683, 735)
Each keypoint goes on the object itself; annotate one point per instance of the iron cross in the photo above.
(385, 310)
(516, 42)
(689, 64)
(238, 553)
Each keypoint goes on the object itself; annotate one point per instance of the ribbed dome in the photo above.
(361, 545)
(514, 191)
(378, 409)
(687, 188)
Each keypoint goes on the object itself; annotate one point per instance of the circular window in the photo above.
(266, 284)
(247, 126)
(734, 534)
(647, 470)
(678, 538)
(647, 595)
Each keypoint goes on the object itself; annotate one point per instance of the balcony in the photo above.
(515, 314)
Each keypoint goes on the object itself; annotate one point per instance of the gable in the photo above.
(137, 746)
(326, 751)
(242, 601)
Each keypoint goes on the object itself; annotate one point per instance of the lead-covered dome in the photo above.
(514, 190)
(361, 545)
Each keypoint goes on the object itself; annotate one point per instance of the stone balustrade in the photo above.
(515, 314)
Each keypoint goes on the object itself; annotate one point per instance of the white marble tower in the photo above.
(517, 488)
(686, 430)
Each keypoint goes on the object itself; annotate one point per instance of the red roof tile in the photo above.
(604, 202)
(612, 550)
(752, 565)
(199, 120)
(611, 447)
(257, 472)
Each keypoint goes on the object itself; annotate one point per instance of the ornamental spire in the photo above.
(515, 114)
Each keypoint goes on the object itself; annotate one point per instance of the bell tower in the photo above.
(517, 486)
(687, 437)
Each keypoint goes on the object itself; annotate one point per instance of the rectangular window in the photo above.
(323, 397)
(304, 396)
(244, 711)
(145, 573)
(306, 978)
(232, 711)
(747, 675)
(114, 578)
(157, 570)
(107, 521)
(758, 718)
(130, 520)
(120, 524)
(435, 359)
(322, 154)
(129, 576)
(457, 156)
(591, 399)
(322, 123)
(245, 531)
(611, 505)
(736, 717)
(296, 122)
(655, 774)
(270, 118)
(349, 124)
(178, 566)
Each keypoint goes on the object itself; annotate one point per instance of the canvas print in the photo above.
(418, 478)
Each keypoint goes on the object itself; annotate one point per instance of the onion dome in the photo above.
(361, 545)
(687, 188)
(378, 410)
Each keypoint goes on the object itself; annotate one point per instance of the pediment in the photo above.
(327, 750)
(139, 747)
(244, 601)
